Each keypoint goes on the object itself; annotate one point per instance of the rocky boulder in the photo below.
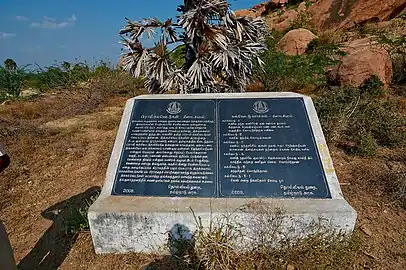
(364, 59)
(344, 14)
(302, 7)
(261, 9)
(296, 41)
(247, 13)
(282, 22)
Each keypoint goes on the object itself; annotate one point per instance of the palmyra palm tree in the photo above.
(219, 49)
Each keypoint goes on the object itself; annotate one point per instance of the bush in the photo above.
(397, 49)
(61, 76)
(11, 82)
(220, 49)
(358, 120)
(281, 72)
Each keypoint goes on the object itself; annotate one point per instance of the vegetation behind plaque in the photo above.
(359, 119)
(77, 78)
(281, 72)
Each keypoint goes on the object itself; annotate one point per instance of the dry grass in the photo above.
(224, 245)
(335, 37)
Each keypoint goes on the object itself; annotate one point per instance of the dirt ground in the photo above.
(60, 146)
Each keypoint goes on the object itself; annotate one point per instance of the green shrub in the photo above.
(396, 46)
(178, 56)
(366, 145)
(358, 120)
(372, 86)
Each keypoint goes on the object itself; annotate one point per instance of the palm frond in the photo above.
(199, 73)
(220, 52)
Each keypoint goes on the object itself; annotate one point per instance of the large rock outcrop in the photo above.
(344, 14)
(364, 58)
(296, 41)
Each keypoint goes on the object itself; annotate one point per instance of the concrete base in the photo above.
(122, 224)
(141, 224)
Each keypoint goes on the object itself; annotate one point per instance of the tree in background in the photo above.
(219, 49)
(10, 64)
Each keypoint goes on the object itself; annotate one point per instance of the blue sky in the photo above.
(45, 31)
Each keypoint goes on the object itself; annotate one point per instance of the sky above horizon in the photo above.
(46, 32)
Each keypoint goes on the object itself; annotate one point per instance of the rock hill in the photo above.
(302, 22)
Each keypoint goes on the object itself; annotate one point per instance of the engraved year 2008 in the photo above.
(237, 192)
(128, 190)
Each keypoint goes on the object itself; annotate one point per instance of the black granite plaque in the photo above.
(221, 148)
(170, 150)
(267, 149)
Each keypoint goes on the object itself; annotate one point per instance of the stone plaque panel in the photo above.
(221, 148)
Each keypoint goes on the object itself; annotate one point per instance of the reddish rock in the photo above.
(344, 14)
(295, 42)
(284, 21)
(302, 7)
(264, 8)
(246, 13)
(362, 61)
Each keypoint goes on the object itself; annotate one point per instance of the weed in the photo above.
(77, 220)
(396, 183)
(366, 146)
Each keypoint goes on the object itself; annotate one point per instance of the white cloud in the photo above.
(51, 19)
(21, 18)
(6, 35)
(53, 23)
(73, 18)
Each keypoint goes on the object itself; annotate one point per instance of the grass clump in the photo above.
(359, 120)
(396, 183)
